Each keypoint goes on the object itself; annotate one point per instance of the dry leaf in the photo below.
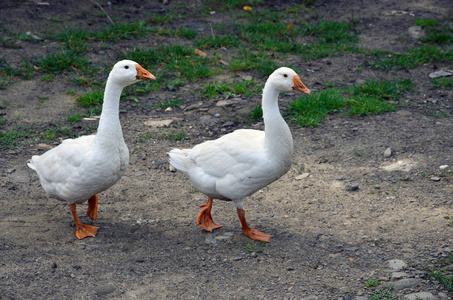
(351, 259)
(200, 53)
(224, 62)
(247, 8)
(290, 25)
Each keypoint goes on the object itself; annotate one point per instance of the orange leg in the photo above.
(254, 234)
(92, 211)
(82, 230)
(204, 218)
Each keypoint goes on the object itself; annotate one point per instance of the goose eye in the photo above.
(285, 75)
(126, 67)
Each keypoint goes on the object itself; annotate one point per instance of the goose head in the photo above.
(285, 79)
(127, 72)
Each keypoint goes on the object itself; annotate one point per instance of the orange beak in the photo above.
(143, 74)
(299, 86)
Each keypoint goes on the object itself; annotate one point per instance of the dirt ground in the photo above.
(328, 239)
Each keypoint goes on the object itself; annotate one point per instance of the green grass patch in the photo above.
(257, 113)
(372, 97)
(426, 22)
(446, 281)
(74, 39)
(414, 57)
(163, 18)
(74, 118)
(371, 283)
(383, 295)
(217, 42)
(123, 31)
(216, 89)
(261, 62)
(443, 82)
(91, 99)
(444, 276)
(438, 32)
(63, 61)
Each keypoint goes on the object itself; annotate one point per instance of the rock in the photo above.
(34, 36)
(361, 298)
(207, 120)
(171, 168)
(399, 275)
(435, 178)
(401, 165)
(158, 123)
(352, 187)
(443, 167)
(211, 240)
(223, 103)
(168, 109)
(302, 176)
(388, 152)
(104, 289)
(441, 73)
(397, 264)
(442, 296)
(402, 284)
(237, 258)
(416, 32)
(421, 296)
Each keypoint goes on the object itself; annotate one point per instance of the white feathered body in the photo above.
(78, 169)
(233, 166)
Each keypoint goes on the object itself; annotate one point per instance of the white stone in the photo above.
(158, 123)
(443, 167)
(388, 152)
(397, 264)
(401, 165)
(399, 275)
(440, 73)
(416, 32)
(421, 296)
(223, 103)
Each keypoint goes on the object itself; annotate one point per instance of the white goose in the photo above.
(78, 169)
(238, 164)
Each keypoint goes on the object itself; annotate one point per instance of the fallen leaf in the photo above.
(290, 25)
(247, 8)
(200, 53)
(302, 176)
(224, 62)
(351, 259)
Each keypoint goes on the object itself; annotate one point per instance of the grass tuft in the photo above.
(372, 97)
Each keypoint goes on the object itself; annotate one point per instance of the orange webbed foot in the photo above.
(254, 234)
(83, 231)
(257, 235)
(204, 218)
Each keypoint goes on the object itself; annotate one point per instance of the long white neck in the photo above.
(278, 138)
(109, 130)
